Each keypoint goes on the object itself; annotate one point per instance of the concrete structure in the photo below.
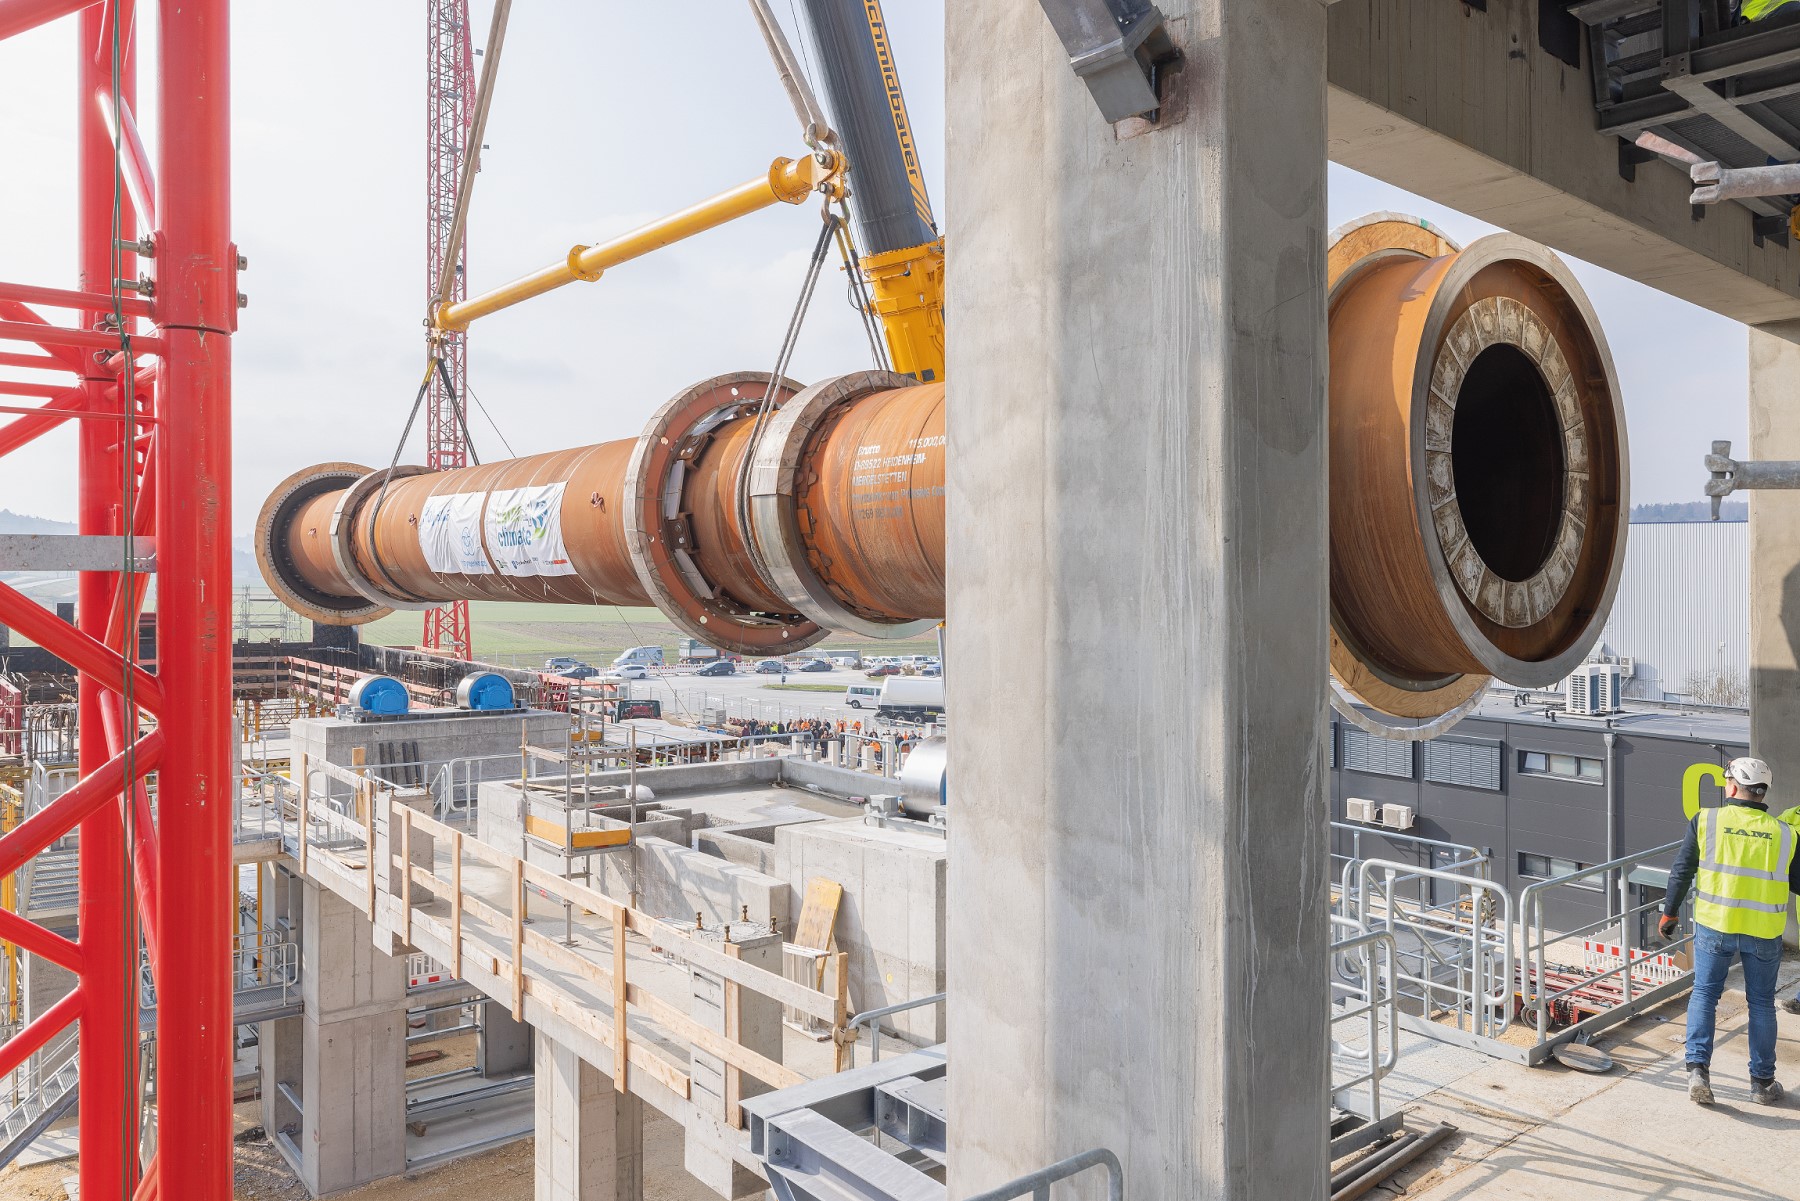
(1683, 609)
(590, 1141)
(1158, 293)
(334, 1078)
(893, 916)
(1775, 556)
(410, 750)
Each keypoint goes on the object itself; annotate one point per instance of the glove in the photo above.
(1666, 927)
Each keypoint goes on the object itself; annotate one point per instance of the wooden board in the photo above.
(818, 916)
(551, 832)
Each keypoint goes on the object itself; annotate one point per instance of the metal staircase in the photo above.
(47, 1087)
(50, 884)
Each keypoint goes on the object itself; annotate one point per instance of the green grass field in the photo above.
(524, 635)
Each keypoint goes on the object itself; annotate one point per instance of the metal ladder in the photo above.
(50, 1089)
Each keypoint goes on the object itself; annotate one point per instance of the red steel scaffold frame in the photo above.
(150, 385)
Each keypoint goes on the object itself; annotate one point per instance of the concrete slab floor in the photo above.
(1552, 1134)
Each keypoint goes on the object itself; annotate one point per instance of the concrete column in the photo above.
(1775, 562)
(505, 1042)
(590, 1138)
(344, 1058)
(1138, 475)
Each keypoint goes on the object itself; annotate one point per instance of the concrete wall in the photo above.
(1136, 474)
(676, 882)
(1775, 562)
(434, 741)
(891, 919)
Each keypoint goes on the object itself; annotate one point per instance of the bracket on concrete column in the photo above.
(1729, 475)
(1117, 48)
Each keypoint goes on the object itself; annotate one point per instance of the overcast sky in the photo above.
(605, 115)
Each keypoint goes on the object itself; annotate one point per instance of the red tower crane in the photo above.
(449, 115)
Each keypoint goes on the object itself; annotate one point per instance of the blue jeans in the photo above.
(1713, 953)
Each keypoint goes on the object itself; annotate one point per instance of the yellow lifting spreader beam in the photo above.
(789, 181)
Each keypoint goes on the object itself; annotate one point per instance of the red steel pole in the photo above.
(197, 308)
(108, 928)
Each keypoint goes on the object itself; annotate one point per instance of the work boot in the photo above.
(1766, 1092)
(1792, 1004)
(1699, 1085)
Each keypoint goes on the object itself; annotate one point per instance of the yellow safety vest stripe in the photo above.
(1756, 10)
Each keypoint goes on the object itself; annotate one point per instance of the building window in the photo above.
(1549, 867)
(1565, 767)
(1377, 756)
(1464, 763)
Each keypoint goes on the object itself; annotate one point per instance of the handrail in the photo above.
(1533, 942)
(1037, 1184)
(874, 1015)
(1377, 993)
(1487, 987)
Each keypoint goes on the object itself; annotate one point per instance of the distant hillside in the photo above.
(1691, 510)
(48, 589)
(19, 523)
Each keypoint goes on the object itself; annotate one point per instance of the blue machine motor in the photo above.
(380, 696)
(485, 690)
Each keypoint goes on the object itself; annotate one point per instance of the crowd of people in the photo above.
(816, 731)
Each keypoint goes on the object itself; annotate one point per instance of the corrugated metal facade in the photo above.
(1683, 606)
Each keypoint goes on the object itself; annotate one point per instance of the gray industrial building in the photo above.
(1683, 610)
(1533, 787)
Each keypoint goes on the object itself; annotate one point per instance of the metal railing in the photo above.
(872, 1020)
(1456, 857)
(1037, 1184)
(1471, 961)
(1364, 988)
(1454, 957)
(1640, 978)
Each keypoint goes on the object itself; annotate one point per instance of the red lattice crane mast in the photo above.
(449, 115)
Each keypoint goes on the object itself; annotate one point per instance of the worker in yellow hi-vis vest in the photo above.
(1741, 865)
(1758, 10)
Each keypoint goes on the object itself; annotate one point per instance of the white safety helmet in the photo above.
(1751, 773)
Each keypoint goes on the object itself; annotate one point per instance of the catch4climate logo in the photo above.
(524, 531)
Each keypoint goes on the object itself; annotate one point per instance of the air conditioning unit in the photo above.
(1627, 666)
(1358, 810)
(1594, 689)
(1397, 817)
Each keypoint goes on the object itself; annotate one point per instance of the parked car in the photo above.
(718, 667)
(931, 669)
(640, 655)
(562, 663)
(631, 671)
(770, 667)
(882, 669)
(580, 671)
(815, 665)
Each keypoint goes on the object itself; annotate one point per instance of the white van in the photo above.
(863, 696)
(646, 655)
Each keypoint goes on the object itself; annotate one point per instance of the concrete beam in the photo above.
(1137, 875)
(1462, 107)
